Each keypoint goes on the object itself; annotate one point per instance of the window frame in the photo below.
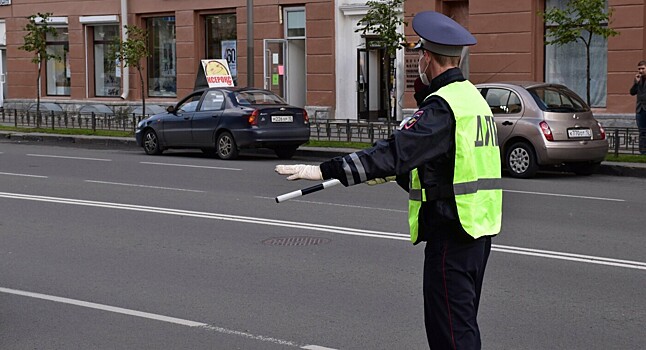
(286, 11)
(578, 85)
(231, 61)
(65, 44)
(118, 70)
(168, 51)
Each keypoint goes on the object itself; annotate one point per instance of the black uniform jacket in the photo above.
(639, 89)
(426, 142)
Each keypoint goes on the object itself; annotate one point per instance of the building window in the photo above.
(58, 73)
(563, 64)
(221, 36)
(107, 72)
(162, 77)
(295, 28)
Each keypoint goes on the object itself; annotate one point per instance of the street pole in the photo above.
(250, 43)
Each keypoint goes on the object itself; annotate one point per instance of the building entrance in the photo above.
(275, 62)
(372, 90)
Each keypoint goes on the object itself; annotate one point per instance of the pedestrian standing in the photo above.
(448, 152)
(639, 89)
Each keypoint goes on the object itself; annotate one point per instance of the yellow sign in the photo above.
(217, 73)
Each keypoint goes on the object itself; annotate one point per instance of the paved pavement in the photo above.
(606, 168)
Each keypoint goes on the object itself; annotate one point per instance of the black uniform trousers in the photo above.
(454, 268)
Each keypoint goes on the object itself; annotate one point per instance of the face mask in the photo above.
(422, 72)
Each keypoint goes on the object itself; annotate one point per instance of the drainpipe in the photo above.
(125, 76)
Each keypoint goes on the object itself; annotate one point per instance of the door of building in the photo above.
(371, 87)
(275, 66)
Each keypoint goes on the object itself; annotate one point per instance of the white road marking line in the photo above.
(323, 228)
(191, 166)
(24, 175)
(338, 205)
(573, 257)
(206, 215)
(143, 186)
(156, 317)
(566, 195)
(67, 157)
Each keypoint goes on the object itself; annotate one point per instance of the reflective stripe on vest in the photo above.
(476, 180)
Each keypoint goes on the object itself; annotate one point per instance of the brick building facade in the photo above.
(308, 51)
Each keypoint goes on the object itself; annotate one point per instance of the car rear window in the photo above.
(557, 99)
(257, 97)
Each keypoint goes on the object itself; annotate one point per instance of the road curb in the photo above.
(84, 140)
(621, 170)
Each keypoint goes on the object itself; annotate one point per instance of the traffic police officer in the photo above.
(447, 157)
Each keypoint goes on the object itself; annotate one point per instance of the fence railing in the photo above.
(622, 140)
(350, 130)
(66, 120)
(625, 140)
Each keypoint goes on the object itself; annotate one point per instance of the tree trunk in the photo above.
(38, 96)
(587, 68)
(388, 85)
(143, 93)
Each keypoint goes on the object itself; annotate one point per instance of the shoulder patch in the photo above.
(410, 122)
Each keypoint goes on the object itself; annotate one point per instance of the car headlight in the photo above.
(141, 124)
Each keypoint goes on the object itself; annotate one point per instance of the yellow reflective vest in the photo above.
(476, 178)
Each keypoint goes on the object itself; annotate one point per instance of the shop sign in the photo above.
(217, 73)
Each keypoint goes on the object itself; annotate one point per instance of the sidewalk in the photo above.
(607, 168)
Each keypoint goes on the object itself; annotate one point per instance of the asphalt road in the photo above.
(107, 249)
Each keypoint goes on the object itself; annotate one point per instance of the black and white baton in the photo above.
(315, 188)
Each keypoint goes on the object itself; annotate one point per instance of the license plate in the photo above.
(282, 118)
(575, 133)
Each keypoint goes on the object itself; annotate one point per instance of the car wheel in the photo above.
(585, 169)
(226, 147)
(285, 152)
(521, 160)
(151, 143)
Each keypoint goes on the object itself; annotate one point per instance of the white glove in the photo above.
(380, 180)
(300, 171)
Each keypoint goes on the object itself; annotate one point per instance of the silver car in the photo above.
(544, 125)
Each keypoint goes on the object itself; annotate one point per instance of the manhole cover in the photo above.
(295, 241)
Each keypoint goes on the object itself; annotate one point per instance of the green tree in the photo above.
(132, 52)
(580, 20)
(384, 19)
(35, 42)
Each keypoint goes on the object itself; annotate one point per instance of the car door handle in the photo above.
(507, 122)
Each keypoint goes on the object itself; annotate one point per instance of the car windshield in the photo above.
(258, 97)
(557, 99)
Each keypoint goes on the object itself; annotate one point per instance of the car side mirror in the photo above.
(170, 109)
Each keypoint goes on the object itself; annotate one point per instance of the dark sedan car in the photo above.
(221, 121)
(543, 125)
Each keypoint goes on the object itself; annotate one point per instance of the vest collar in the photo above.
(447, 77)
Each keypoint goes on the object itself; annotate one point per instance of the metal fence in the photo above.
(350, 131)
(66, 120)
(625, 140)
(622, 140)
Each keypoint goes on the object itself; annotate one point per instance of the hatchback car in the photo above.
(544, 125)
(222, 121)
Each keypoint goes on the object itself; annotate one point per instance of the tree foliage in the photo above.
(35, 42)
(384, 20)
(579, 21)
(132, 53)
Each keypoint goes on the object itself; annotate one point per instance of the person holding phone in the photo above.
(639, 89)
